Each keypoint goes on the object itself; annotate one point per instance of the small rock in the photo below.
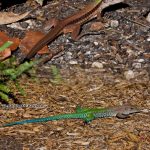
(114, 23)
(96, 56)
(88, 53)
(59, 128)
(148, 17)
(67, 41)
(130, 52)
(96, 26)
(141, 60)
(69, 54)
(137, 65)
(73, 62)
(97, 65)
(96, 43)
(148, 39)
(129, 74)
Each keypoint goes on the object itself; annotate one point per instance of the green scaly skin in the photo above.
(87, 114)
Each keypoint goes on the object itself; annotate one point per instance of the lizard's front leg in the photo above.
(50, 24)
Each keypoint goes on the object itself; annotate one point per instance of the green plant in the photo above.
(10, 71)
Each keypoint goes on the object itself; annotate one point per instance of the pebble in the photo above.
(137, 65)
(129, 74)
(148, 17)
(69, 54)
(130, 52)
(73, 62)
(96, 43)
(96, 56)
(88, 53)
(59, 128)
(148, 39)
(114, 23)
(97, 65)
(141, 60)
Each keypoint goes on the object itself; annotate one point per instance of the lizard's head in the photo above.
(126, 110)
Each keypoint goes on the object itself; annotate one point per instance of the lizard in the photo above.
(87, 114)
(71, 24)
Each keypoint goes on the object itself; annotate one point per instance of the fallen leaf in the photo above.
(5, 39)
(5, 54)
(10, 17)
(30, 40)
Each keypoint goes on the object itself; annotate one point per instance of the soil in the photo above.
(104, 68)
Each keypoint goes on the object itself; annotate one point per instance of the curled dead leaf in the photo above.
(4, 38)
(10, 17)
(7, 52)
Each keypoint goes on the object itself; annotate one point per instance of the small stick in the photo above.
(138, 23)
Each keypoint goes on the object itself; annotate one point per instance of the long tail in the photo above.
(57, 117)
(44, 41)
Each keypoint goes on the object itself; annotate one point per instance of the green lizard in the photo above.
(87, 114)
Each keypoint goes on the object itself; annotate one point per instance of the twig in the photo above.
(138, 23)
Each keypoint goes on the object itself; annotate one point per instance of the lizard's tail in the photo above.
(57, 117)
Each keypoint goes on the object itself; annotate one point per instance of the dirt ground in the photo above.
(121, 77)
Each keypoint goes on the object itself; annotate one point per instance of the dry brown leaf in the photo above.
(10, 17)
(7, 52)
(4, 38)
(30, 40)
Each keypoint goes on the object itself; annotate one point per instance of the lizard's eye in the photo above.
(131, 108)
